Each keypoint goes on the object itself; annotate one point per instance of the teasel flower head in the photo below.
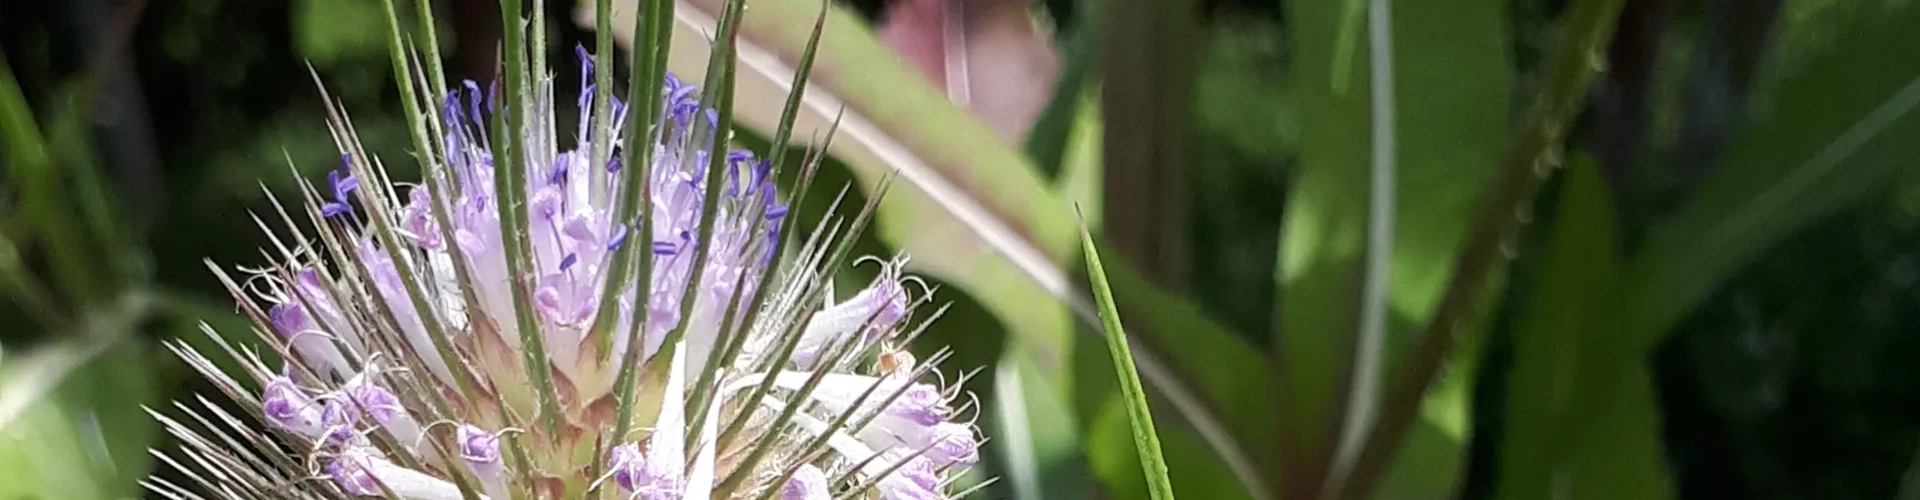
(615, 311)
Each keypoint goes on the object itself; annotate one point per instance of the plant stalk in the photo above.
(1536, 154)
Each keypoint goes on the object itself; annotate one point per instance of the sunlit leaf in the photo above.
(1448, 103)
(1041, 451)
(71, 426)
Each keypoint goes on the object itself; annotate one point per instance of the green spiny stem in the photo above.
(1528, 164)
(737, 340)
(376, 203)
(522, 467)
(601, 127)
(718, 96)
(436, 74)
(511, 195)
(646, 75)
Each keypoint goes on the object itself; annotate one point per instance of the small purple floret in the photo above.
(286, 405)
(807, 483)
(343, 183)
(922, 404)
(627, 464)
(473, 104)
(954, 444)
(477, 446)
(350, 472)
(646, 479)
(290, 318)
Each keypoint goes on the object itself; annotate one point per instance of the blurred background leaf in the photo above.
(1450, 94)
(1562, 295)
(71, 421)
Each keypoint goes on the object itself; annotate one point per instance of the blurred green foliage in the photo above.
(1720, 287)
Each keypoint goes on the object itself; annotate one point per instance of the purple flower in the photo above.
(442, 296)
(658, 479)
(343, 183)
(477, 446)
(290, 319)
(419, 220)
(356, 399)
(922, 404)
(807, 483)
(950, 443)
(290, 408)
(352, 472)
(913, 479)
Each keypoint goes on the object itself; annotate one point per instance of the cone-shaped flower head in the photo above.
(513, 330)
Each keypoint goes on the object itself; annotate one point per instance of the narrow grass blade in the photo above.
(1147, 442)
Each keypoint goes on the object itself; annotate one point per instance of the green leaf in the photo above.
(1146, 441)
(1554, 334)
(1038, 442)
(1193, 467)
(1322, 240)
(1836, 132)
(1217, 370)
(33, 162)
(1449, 97)
(71, 424)
(1536, 149)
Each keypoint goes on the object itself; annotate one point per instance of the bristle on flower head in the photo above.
(408, 323)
